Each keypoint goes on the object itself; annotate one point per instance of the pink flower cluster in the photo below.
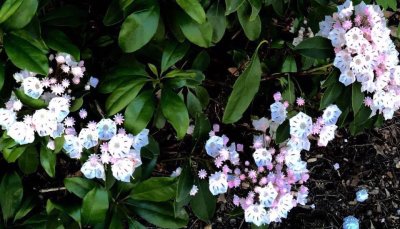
(366, 54)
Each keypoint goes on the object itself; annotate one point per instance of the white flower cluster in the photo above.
(120, 150)
(365, 53)
(302, 33)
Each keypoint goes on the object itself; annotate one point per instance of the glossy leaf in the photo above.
(156, 189)
(29, 160)
(199, 34)
(25, 55)
(114, 13)
(59, 41)
(94, 206)
(172, 53)
(201, 61)
(139, 27)
(30, 102)
(78, 186)
(26, 206)
(67, 15)
(244, 90)
(202, 127)
(289, 94)
(233, 5)
(8, 8)
(289, 65)
(139, 112)
(283, 132)
(194, 9)
(175, 111)
(11, 194)
(48, 161)
(12, 154)
(331, 94)
(193, 104)
(315, 47)
(22, 16)
(217, 19)
(357, 97)
(203, 203)
(251, 27)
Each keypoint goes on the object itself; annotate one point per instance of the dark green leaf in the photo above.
(11, 194)
(76, 104)
(48, 160)
(282, 133)
(331, 94)
(255, 8)
(57, 40)
(232, 5)
(202, 95)
(193, 104)
(30, 102)
(199, 34)
(201, 61)
(149, 155)
(202, 127)
(8, 8)
(251, 27)
(156, 189)
(185, 183)
(217, 19)
(357, 97)
(12, 154)
(194, 9)
(79, 186)
(289, 93)
(122, 96)
(29, 160)
(139, 112)
(94, 206)
(67, 15)
(244, 90)
(289, 65)
(26, 55)
(114, 14)
(203, 203)
(175, 112)
(172, 53)
(315, 47)
(160, 214)
(26, 207)
(139, 27)
(22, 16)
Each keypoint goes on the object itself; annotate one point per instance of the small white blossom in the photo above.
(21, 133)
(218, 183)
(32, 87)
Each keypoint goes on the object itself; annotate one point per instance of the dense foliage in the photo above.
(91, 89)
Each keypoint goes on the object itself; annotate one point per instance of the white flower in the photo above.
(123, 169)
(262, 157)
(326, 135)
(261, 124)
(342, 60)
(300, 125)
(89, 138)
(351, 222)
(360, 65)
(347, 77)
(267, 195)
(60, 107)
(218, 183)
(194, 190)
(72, 146)
(21, 133)
(292, 157)
(362, 195)
(299, 143)
(326, 26)
(285, 204)
(337, 37)
(106, 129)
(58, 132)
(92, 168)
(119, 145)
(32, 87)
(278, 112)
(141, 140)
(17, 105)
(77, 72)
(7, 118)
(45, 122)
(134, 156)
(20, 76)
(345, 10)
(255, 214)
(213, 145)
(355, 39)
(177, 172)
(331, 114)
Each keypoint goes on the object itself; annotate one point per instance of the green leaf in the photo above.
(71, 209)
(79, 186)
(233, 5)
(8, 8)
(57, 40)
(48, 160)
(58, 144)
(331, 94)
(156, 189)
(139, 112)
(315, 47)
(289, 65)
(29, 160)
(11, 194)
(175, 111)
(122, 96)
(172, 53)
(160, 214)
(76, 104)
(185, 183)
(28, 101)
(357, 97)
(202, 127)
(283, 132)
(217, 19)
(139, 27)
(178, 78)
(244, 90)
(203, 203)
(67, 15)
(26, 55)
(114, 14)
(12, 154)
(289, 94)
(202, 95)
(255, 8)
(94, 206)
(2, 74)
(199, 34)
(278, 7)
(251, 27)
(194, 9)
(193, 104)
(26, 207)
(149, 155)
(201, 61)
(22, 16)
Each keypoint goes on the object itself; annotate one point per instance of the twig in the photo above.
(52, 190)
